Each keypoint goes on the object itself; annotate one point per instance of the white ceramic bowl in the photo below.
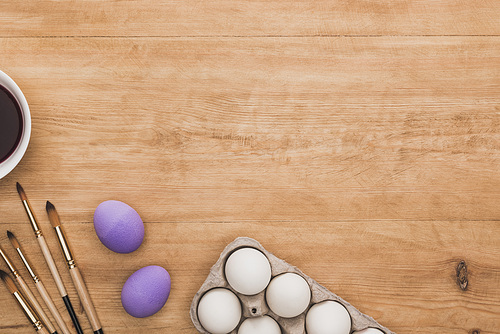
(11, 162)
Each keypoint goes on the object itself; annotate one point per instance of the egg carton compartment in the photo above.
(256, 306)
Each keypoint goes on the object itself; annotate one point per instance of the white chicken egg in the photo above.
(248, 271)
(219, 311)
(369, 331)
(328, 317)
(288, 295)
(260, 325)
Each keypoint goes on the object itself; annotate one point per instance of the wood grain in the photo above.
(401, 273)
(235, 129)
(248, 18)
(358, 140)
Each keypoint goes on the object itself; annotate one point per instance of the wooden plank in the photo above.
(401, 273)
(274, 129)
(248, 18)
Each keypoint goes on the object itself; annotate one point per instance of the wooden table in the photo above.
(357, 140)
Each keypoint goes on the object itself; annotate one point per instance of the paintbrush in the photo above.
(27, 292)
(48, 258)
(80, 286)
(32, 316)
(39, 284)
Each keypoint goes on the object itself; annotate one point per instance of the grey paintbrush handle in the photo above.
(43, 330)
(52, 266)
(52, 307)
(36, 306)
(83, 293)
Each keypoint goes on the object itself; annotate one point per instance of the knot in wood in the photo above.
(462, 279)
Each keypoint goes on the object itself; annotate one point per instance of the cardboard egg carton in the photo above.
(256, 306)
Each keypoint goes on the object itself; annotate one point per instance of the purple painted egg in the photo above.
(118, 226)
(146, 291)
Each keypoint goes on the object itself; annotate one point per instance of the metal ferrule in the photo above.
(65, 248)
(27, 265)
(9, 264)
(30, 313)
(32, 218)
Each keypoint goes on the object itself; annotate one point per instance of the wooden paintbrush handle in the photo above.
(43, 330)
(52, 266)
(52, 308)
(36, 306)
(85, 298)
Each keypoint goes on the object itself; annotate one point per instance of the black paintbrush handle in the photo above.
(99, 331)
(72, 314)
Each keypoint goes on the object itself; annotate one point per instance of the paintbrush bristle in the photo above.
(21, 192)
(13, 239)
(52, 213)
(8, 281)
